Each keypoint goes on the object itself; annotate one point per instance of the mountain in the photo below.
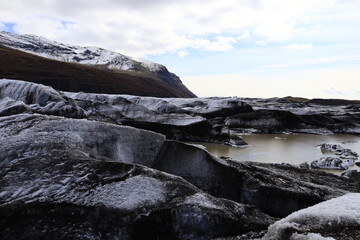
(89, 69)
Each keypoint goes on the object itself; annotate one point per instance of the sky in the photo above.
(244, 48)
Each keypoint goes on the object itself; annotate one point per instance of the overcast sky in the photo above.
(245, 48)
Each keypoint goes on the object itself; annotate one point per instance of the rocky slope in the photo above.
(89, 69)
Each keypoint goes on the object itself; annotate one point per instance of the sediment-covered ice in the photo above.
(338, 218)
(332, 163)
(80, 179)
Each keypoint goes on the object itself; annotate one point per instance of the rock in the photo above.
(332, 163)
(337, 218)
(304, 165)
(80, 179)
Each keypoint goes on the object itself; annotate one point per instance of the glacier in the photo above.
(76, 165)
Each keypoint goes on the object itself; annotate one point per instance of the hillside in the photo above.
(104, 71)
(15, 64)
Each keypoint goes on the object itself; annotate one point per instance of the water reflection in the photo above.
(289, 148)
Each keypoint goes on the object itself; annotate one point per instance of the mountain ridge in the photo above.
(71, 53)
(15, 64)
(94, 60)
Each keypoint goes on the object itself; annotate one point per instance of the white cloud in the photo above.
(261, 43)
(2, 26)
(39, 24)
(298, 46)
(275, 30)
(246, 34)
(220, 44)
(183, 53)
(140, 27)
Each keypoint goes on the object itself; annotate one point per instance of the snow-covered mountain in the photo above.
(94, 56)
(70, 53)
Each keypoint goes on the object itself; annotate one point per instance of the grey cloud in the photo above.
(79, 7)
(143, 26)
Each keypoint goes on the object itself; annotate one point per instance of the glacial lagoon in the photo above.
(288, 148)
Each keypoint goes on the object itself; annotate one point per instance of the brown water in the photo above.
(289, 148)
